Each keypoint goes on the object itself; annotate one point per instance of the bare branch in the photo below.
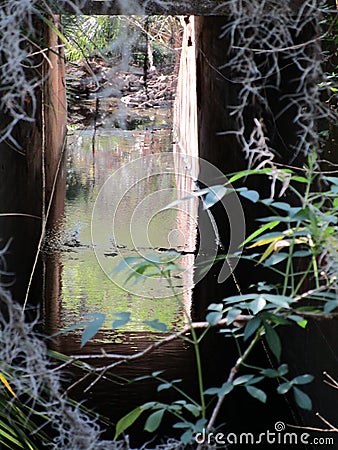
(101, 370)
(331, 429)
(333, 383)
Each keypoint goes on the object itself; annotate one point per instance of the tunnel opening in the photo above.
(205, 133)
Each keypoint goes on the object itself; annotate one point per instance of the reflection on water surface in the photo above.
(136, 228)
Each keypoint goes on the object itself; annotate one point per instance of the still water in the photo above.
(114, 210)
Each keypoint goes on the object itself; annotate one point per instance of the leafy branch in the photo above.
(307, 291)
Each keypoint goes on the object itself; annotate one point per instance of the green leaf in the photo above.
(239, 298)
(254, 380)
(225, 389)
(302, 323)
(142, 267)
(262, 286)
(333, 180)
(303, 379)
(281, 205)
(251, 327)
(302, 399)
(200, 424)
(149, 405)
(215, 307)
(154, 420)
(275, 318)
(295, 318)
(267, 238)
(152, 258)
(156, 325)
(232, 314)
(279, 300)
(127, 421)
(268, 226)
(272, 218)
(51, 25)
(269, 250)
(124, 318)
(215, 194)
(273, 341)
(250, 195)
(186, 437)
(212, 391)
(275, 259)
(157, 373)
(331, 305)
(181, 200)
(168, 385)
(244, 173)
(283, 369)
(214, 317)
(242, 379)
(195, 410)
(9, 438)
(181, 402)
(93, 327)
(295, 211)
(257, 305)
(124, 264)
(301, 253)
(284, 387)
(76, 326)
(164, 386)
(300, 179)
(143, 377)
(256, 393)
(181, 425)
(270, 373)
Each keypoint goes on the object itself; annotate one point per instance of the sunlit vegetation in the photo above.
(298, 243)
(116, 38)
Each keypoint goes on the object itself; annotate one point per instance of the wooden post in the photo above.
(28, 173)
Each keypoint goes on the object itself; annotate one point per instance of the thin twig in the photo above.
(277, 50)
(333, 383)
(101, 370)
(232, 374)
(240, 319)
(331, 429)
(119, 359)
(44, 224)
(20, 214)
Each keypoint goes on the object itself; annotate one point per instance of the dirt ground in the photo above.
(96, 90)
